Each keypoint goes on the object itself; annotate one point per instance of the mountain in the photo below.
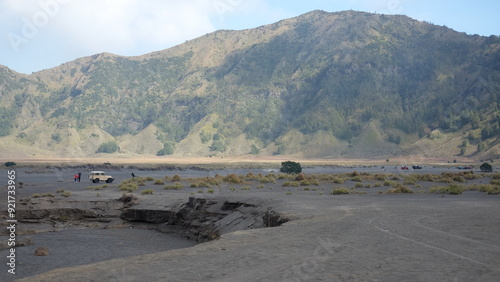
(348, 84)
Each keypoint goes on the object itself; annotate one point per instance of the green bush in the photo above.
(108, 147)
(56, 137)
(290, 167)
(168, 149)
(7, 164)
(486, 167)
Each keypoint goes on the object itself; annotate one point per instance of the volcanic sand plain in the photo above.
(374, 232)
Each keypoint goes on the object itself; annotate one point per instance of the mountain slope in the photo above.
(348, 83)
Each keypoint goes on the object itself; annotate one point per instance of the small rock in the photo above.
(42, 251)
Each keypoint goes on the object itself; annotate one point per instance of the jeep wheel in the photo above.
(109, 180)
(96, 180)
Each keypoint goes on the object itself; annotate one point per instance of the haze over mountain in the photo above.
(346, 84)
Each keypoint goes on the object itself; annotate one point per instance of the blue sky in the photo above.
(41, 34)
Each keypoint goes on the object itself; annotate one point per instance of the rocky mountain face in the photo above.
(346, 84)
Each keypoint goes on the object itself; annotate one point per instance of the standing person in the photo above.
(75, 177)
(79, 176)
(133, 175)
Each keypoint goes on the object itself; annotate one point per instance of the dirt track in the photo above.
(368, 237)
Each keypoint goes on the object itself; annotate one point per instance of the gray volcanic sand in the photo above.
(83, 246)
(370, 237)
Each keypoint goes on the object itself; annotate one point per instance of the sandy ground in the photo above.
(373, 236)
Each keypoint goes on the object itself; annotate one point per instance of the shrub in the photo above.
(357, 179)
(108, 147)
(410, 182)
(495, 181)
(159, 182)
(305, 183)
(453, 189)
(338, 180)
(176, 178)
(493, 190)
(340, 191)
(168, 149)
(486, 167)
(148, 191)
(428, 177)
(388, 183)
(315, 182)
(290, 167)
(359, 185)
(128, 187)
(446, 180)
(266, 180)
(212, 181)
(399, 188)
(66, 194)
(203, 185)
(8, 164)
(300, 177)
(232, 178)
(290, 184)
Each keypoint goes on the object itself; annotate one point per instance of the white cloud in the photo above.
(129, 26)
(85, 27)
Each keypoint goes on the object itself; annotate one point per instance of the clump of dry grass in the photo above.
(232, 178)
(340, 191)
(400, 188)
(290, 184)
(491, 189)
(453, 189)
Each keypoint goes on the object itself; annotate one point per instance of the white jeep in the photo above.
(97, 176)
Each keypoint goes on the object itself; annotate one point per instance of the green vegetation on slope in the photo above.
(320, 72)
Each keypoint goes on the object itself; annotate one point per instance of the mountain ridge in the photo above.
(341, 82)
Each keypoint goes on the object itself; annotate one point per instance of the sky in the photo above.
(41, 34)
